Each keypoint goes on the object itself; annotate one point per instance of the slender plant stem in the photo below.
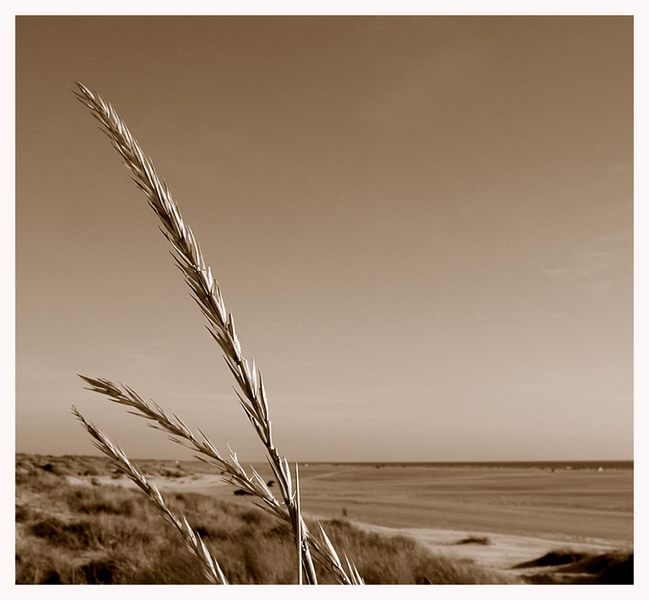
(207, 294)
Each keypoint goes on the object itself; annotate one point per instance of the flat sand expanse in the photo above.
(523, 512)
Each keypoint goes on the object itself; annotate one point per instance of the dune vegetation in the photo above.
(71, 527)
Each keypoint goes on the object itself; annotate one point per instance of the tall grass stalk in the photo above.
(220, 323)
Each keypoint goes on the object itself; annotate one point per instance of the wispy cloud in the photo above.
(622, 168)
(600, 266)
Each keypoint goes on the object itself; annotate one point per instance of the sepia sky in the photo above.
(423, 227)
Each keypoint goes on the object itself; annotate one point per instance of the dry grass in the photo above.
(206, 292)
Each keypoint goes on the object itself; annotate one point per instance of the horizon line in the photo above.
(362, 462)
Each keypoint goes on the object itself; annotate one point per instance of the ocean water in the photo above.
(567, 465)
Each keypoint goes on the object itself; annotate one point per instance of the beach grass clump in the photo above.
(478, 540)
(565, 565)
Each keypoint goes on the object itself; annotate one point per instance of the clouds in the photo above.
(600, 266)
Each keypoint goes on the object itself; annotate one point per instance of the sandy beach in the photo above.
(494, 550)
